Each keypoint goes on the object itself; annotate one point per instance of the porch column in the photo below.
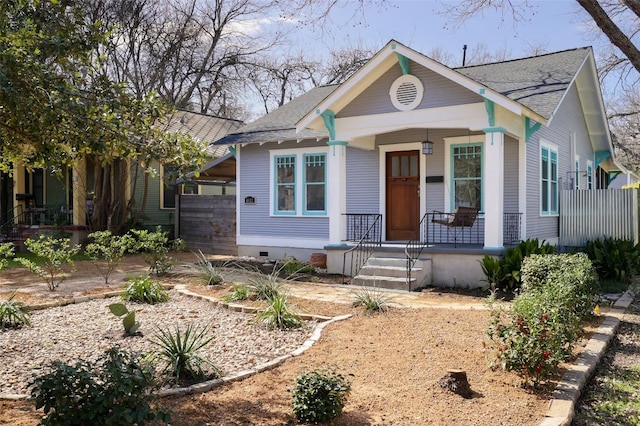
(19, 187)
(337, 191)
(79, 181)
(493, 187)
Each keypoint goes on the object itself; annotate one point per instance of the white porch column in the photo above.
(493, 187)
(337, 191)
(79, 179)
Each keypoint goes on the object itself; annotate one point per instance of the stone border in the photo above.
(561, 409)
(209, 384)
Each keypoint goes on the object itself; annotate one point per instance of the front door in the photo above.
(403, 192)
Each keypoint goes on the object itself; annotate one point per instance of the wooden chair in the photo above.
(462, 217)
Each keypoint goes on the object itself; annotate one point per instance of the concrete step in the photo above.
(393, 283)
(388, 261)
(388, 271)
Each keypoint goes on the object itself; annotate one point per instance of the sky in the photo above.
(552, 24)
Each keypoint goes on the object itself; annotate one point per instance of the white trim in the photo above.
(259, 240)
(553, 147)
(474, 139)
(590, 166)
(576, 172)
(382, 173)
(522, 186)
(299, 187)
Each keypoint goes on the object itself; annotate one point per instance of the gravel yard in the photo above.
(86, 330)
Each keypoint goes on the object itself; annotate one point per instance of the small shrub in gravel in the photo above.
(106, 251)
(265, 287)
(155, 247)
(115, 390)
(279, 314)
(13, 314)
(52, 255)
(238, 292)
(208, 273)
(145, 290)
(179, 351)
(320, 395)
(372, 300)
(293, 266)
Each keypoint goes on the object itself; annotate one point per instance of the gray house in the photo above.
(411, 171)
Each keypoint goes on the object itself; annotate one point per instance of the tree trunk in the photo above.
(456, 381)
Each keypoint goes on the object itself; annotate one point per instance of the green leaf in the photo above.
(118, 309)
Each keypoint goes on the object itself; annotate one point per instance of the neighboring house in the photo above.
(342, 163)
(40, 199)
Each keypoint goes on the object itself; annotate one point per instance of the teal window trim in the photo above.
(452, 186)
(589, 175)
(577, 174)
(314, 157)
(277, 185)
(548, 182)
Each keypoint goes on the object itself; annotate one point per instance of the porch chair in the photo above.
(462, 217)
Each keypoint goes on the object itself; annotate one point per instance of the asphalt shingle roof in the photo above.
(204, 127)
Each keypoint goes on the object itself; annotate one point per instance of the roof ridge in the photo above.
(523, 58)
(203, 114)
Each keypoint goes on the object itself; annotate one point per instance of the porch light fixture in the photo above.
(427, 146)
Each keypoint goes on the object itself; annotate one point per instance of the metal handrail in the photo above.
(362, 251)
(9, 230)
(415, 246)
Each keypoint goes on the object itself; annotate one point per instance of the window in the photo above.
(589, 175)
(577, 174)
(466, 172)
(299, 183)
(169, 188)
(549, 181)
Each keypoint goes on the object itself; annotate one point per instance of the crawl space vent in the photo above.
(406, 92)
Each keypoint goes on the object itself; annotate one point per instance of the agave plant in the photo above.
(279, 314)
(13, 314)
(371, 299)
(208, 274)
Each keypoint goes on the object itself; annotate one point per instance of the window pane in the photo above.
(467, 193)
(395, 166)
(404, 166)
(413, 167)
(315, 168)
(554, 197)
(545, 196)
(286, 169)
(315, 197)
(190, 188)
(467, 175)
(286, 198)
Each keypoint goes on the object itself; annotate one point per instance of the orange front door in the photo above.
(403, 202)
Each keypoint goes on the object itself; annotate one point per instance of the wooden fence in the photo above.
(207, 223)
(589, 214)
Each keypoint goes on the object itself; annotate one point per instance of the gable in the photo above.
(438, 92)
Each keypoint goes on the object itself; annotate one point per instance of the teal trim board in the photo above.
(404, 63)
(233, 150)
(490, 106)
(600, 156)
(529, 130)
(329, 118)
(612, 175)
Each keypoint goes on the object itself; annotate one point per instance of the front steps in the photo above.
(391, 273)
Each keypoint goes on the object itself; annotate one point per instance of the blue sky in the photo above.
(553, 25)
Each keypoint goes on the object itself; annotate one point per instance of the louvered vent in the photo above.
(406, 92)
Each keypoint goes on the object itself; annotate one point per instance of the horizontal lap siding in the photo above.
(255, 219)
(511, 176)
(363, 170)
(208, 223)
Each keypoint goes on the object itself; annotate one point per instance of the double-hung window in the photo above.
(589, 175)
(300, 183)
(549, 180)
(466, 172)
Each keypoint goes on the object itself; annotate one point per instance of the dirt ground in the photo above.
(395, 358)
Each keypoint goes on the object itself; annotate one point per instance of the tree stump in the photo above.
(456, 381)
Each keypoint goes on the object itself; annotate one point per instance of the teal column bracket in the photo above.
(329, 118)
(490, 106)
(600, 156)
(404, 63)
(612, 175)
(529, 130)
(233, 150)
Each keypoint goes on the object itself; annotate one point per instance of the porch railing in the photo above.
(369, 229)
(416, 245)
(10, 230)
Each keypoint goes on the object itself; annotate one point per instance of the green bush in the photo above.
(238, 292)
(179, 351)
(145, 290)
(279, 314)
(106, 251)
(319, 395)
(292, 266)
(545, 320)
(504, 274)
(614, 259)
(372, 300)
(155, 247)
(51, 256)
(13, 314)
(6, 253)
(115, 390)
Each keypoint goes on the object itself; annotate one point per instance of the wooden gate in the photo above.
(208, 223)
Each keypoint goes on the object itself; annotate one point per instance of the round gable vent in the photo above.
(406, 92)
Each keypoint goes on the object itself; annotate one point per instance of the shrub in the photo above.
(155, 247)
(209, 274)
(131, 326)
(51, 256)
(13, 314)
(372, 300)
(116, 390)
(504, 274)
(319, 395)
(279, 314)
(6, 252)
(265, 287)
(106, 251)
(292, 266)
(179, 351)
(145, 290)
(614, 258)
(545, 320)
(238, 292)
